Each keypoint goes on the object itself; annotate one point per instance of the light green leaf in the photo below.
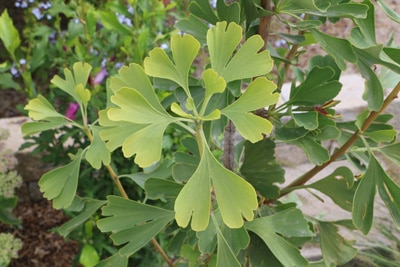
(33, 127)
(8, 33)
(83, 94)
(80, 75)
(260, 168)
(133, 76)
(39, 109)
(89, 256)
(146, 142)
(235, 200)
(259, 94)
(289, 222)
(338, 186)
(339, 49)
(392, 152)
(222, 41)
(97, 152)
(60, 184)
(90, 207)
(115, 260)
(132, 223)
(335, 249)
(308, 120)
(116, 132)
(213, 83)
(110, 21)
(318, 88)
(184, 50)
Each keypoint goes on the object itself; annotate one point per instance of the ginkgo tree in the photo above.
(219, 215)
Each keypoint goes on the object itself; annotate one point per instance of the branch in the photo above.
(343, 149)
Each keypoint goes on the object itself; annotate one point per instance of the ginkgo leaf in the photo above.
(338, 186)
(115, 133)
(132, 223)
(149, 123)
(184, 50)
(289, 222)
(213, 83)
(33, 127)
(97, 153)
(83, 94)
(259, 94)
(80, 75)
(235, 196)
(335, 249)
(133, 76)
(222, 41)
(40, 109)
(60, 184)
(8, 33)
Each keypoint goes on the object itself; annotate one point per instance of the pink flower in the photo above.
(72, 110)
(98, 79)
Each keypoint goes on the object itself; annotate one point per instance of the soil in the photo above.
(42, 246)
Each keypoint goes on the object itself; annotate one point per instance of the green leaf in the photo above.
(8, 33)
(110, 21)
(388, 11)
(382, 135)
(222, 41)
(259, 94)
(318, 88)
(161, 170)
(185, 163)
(184, 50)
(33, 127)
(203, 10)
(115, 260)
(289, 222)
(335, 249)
(97, 152)
(6, 207)
(146, 142)
(260, 168)
(389, 192)
(363, 203)
(83, 94)
(308, 120)
(213, 83)
(90, 207)
(161, 189)
(60, 184)
(316, 153)
(367, 25)
(338, 186)
(89, 256)
(132, 223)
(40, 109)
(237, 200)
(392, 152)
(80, 75)
(193, 26)
(6, 81)
(229, 13)
(191, 254)
(339, 49)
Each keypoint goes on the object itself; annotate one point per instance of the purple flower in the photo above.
(98, 79)
(72, 110)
